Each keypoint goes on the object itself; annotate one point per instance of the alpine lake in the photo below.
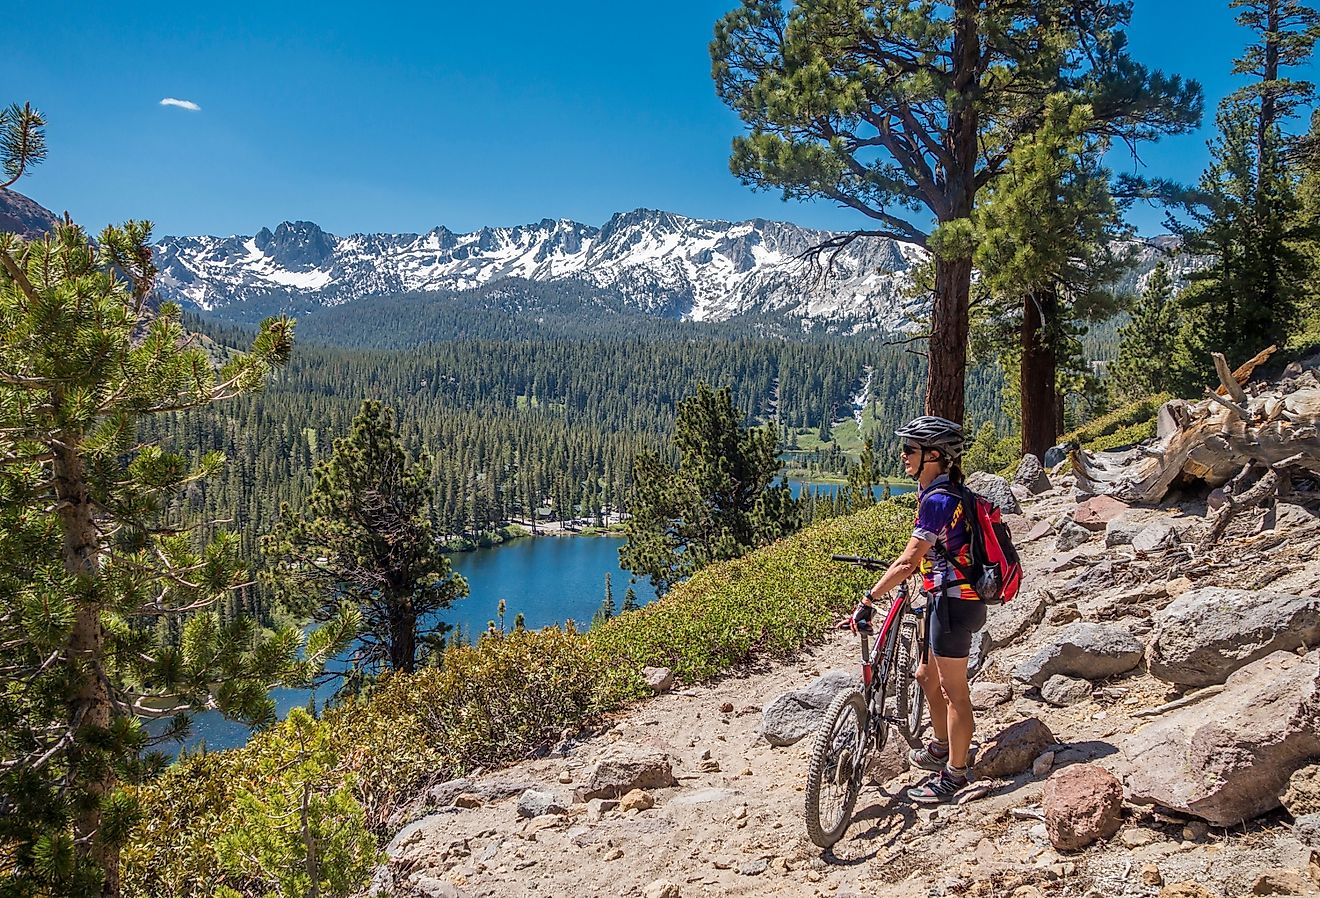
(547, 579)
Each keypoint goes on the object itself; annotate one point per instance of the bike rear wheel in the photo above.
(908, 695)
(834, 776)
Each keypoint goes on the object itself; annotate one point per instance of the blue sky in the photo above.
(393, 118)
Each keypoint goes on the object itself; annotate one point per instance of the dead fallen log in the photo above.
(1272, 427)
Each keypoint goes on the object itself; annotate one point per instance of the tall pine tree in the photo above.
(93, 562)
(1147, 341)
(717, 504)
(366, 542)
(903, 109)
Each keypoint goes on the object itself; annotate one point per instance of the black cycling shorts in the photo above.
(952, 624)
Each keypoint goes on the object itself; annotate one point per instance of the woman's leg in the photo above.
(957, 699)
(928, 676)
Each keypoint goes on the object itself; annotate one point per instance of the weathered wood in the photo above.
(1189, 699)
(1266, 486)
(1228, 384)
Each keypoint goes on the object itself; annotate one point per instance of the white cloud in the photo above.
(182, 104)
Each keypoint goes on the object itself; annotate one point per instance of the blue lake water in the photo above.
(829, 489)
(549, 579)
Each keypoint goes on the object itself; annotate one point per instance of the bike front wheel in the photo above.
(834, 777)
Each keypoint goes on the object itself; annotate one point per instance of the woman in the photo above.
(931, 451)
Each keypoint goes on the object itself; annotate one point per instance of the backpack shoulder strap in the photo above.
(961, 493)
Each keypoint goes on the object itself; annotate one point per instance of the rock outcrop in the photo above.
(1228, 757)
(1205, 634)
(1086, 650)
(625, 767)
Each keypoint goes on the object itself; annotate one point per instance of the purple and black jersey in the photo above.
(940, 519)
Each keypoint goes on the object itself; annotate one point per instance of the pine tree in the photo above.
(716, 504)
(607, 609)
(890, 106)
(1246, 212)
(366, 541)
(630, 600)
(1047, 232)
(862, 479)
(1147, 341)
(301, 834)
(92, 562)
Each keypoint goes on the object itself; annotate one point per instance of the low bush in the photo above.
(1124, 426)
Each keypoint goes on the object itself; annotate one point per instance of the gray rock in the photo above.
(1031, 475)
(1155, 538)
(433, 887)
(1064, 691)
(1122, 530)
(980, 652)
(990, 695)
(1006, 623)
(994, 488)
(1228, 757)
(1207, 633)
(536, 803)
(1307, 831)
(446, 793)
(1284, 517)
(625, 767)
(1086, 650)
(1071, 535)
(794, 715)
(1055, 455)
(660, 679)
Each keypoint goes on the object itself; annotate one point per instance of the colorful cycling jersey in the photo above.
(940, 519)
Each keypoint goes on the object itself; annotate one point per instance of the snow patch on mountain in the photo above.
(658, 262)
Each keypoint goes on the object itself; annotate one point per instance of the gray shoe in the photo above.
(927, 759)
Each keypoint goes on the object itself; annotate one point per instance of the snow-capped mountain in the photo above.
(661, 263)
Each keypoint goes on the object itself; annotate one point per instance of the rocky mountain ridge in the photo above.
(658, 262)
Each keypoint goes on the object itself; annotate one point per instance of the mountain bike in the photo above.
(856, 725)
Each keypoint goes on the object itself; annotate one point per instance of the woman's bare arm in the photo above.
(903, 567)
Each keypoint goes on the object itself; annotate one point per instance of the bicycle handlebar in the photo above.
(874, 563)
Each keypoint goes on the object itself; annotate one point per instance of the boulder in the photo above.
(1032, 475)
(1307, 831)
(1122, 530)
(794, 715)
(660, 679)
(990, 695)
(1063, 691)
(1096, 512)
(637, 800)
(979, 653)
(1081, 649)
(1302, 797)
(661, 888)
(1155, 537)
(536, 803)
(1083, 804)
(1071, 535)
(1205, 634)
(1228, 757)
(994, 488)
(1014, 749)
(1055, 455)
(625, 767)
(1007, 623)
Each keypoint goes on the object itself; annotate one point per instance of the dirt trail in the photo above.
(733, 826)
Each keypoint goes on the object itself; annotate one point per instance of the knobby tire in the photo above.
(838, 759)
(910, 701)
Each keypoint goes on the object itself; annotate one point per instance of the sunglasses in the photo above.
(910, 450)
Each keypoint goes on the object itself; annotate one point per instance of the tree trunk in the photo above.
(89, 706)
(948, 342)
(1037, 389)
(953, 277)
(403, 639)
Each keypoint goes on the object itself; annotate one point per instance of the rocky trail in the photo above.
(1143, 708)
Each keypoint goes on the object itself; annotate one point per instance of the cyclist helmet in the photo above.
(930, 432)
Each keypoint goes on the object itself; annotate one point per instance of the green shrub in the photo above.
(1125, 425)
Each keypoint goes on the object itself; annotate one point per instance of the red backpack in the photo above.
(996, 571)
